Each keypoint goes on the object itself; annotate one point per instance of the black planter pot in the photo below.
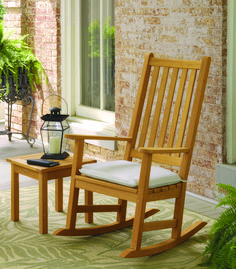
(12, 95)
(23, 92)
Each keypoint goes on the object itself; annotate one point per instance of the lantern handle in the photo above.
(54, 94)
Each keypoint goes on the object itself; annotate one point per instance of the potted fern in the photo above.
(20, 71)
(15, 56)
(220, 251)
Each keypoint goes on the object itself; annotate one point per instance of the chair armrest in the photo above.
(96, 137)
(152, 150)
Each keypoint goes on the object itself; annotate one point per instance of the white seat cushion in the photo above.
(127, 173)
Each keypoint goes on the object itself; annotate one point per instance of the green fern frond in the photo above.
(225, 257)
(224, 220)
(230, 198)
(221, 248)
(232, 255)
(15, 54)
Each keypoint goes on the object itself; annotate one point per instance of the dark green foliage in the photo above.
(15, 53)
(221, 249)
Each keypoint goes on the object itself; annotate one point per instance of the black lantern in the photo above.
(52, 133)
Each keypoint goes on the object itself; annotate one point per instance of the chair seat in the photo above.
(127, 173)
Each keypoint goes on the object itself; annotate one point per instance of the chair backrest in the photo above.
(167, 108)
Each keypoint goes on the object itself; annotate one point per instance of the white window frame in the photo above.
(231, 85)
(226, 173)
(88, 118)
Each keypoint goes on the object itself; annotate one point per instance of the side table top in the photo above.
(22, 161)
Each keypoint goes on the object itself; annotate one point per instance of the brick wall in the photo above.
(172, 29)
(41, 21)
(13, 23)
(176, 29)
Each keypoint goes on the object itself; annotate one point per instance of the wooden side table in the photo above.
(42, 174)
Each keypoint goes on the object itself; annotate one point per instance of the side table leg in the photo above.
(14, 194)
(43, 205)
(59, 194)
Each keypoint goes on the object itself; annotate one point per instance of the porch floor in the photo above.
(18, 147)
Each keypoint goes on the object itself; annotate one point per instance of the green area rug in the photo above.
(21, 245)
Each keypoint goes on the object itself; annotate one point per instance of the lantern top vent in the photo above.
(55, 115)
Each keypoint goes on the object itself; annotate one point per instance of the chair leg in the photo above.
(88, 201)
(164, 245)
(141, 203)
(177, 237)
(121, 215)
(179, 213)
(72, 207)
(138, 226)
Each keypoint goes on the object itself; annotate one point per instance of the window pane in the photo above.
(98, 54)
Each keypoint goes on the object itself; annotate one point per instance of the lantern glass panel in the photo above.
(52, 136)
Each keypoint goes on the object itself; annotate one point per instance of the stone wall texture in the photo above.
(176, 29)
(41, 21)
(184, 29)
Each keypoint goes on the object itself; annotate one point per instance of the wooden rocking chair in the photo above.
(163, 131)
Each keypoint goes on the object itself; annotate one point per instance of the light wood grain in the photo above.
(163, 130)
(43, 175)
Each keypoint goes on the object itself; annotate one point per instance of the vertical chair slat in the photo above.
(148, 111)
(159, 102)
(168, 106)
(186, 108)
(195, 115)
(177, 108)
(138, 108)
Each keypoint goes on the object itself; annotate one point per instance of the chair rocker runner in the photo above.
(163, 131)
